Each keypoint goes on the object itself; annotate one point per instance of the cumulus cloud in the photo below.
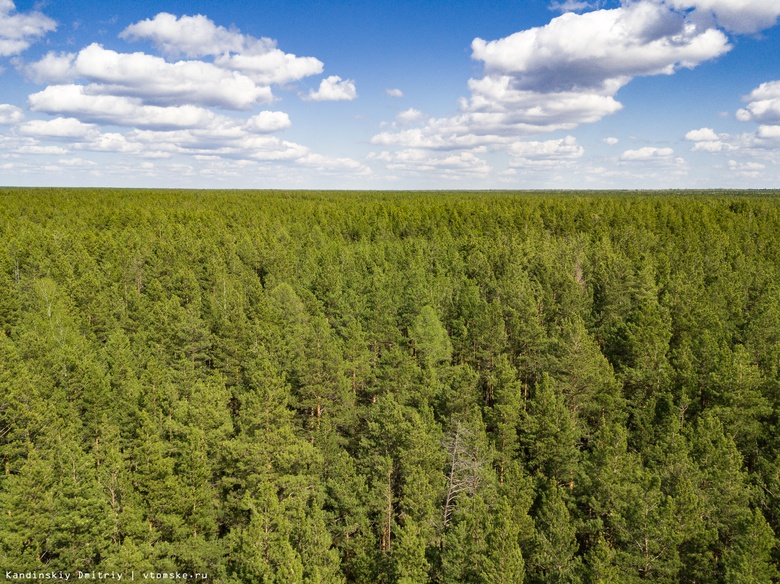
(52, 68)
(749, 166)
(115, 142)
(58, 128)
(330, 164)
(763, 108)
(334, 88)
(165, 107)
(40, 149)
(769, 132)
(647, 153)
(762, 144)
(152, 78)
(439, 134)
(572, 5)
(76, 162)
(712, 146)
(394, 92)
(707, 140)
(197, 36)
(409, 116)
(272, 67)
(738, 16)
(655, 164)
(76, 101)
(610, 140)
(191, 36)
(141, 90)
(746, 169)
(758, 147)
(447, 165)
(18, 30)
(266, 121)
(601, 49)
(566, 73)
(226, 140)
(763, 104)
(10, 114)
(702, 135)
(547, 153)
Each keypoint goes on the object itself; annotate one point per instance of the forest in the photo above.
(391, 387)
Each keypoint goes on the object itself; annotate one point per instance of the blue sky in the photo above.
(391, 95)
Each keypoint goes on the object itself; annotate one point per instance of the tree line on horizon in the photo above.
(303, 387)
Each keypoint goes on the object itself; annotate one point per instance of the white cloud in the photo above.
(738, 16)
(707, 140)
(173, 101)
(330, 164)
(198, 36)
(76, 101)
(610, 140)
(41, 150)
(52, 68)
(334, 88)
(266, 121)
(712, 146)
(566, 73)
(439, 134)
(769, 132)
(10, 114)
(225, 142)
(702, 134)
(59, 128)
(228, 140)
(152, 79)
(763, 104)
(77, 162)
(649, 165)
(571, 5)
(763, 107)
(647, 153)
(113, 142)
(19, 30)
(409, 116)
(191, 36)
(746, 169)
(394, 92)
(449, 165)
(600, 49)
(272, 67)
(751, 166)
(236, 143)
(547, 153)
(762, 144)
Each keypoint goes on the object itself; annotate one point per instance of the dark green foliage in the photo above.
(391, 388)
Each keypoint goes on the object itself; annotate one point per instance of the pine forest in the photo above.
(395, 388)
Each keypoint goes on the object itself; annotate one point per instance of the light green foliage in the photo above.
(430, 337)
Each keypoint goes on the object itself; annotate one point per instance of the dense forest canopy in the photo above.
(289, 387)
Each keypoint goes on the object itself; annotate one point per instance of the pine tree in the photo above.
(750, 558)
(554, 557)
(548, 434)
(430, 338)
(504, 562)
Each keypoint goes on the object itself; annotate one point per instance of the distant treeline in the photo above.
(303, 387)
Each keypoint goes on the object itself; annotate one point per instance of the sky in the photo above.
(348, 94)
